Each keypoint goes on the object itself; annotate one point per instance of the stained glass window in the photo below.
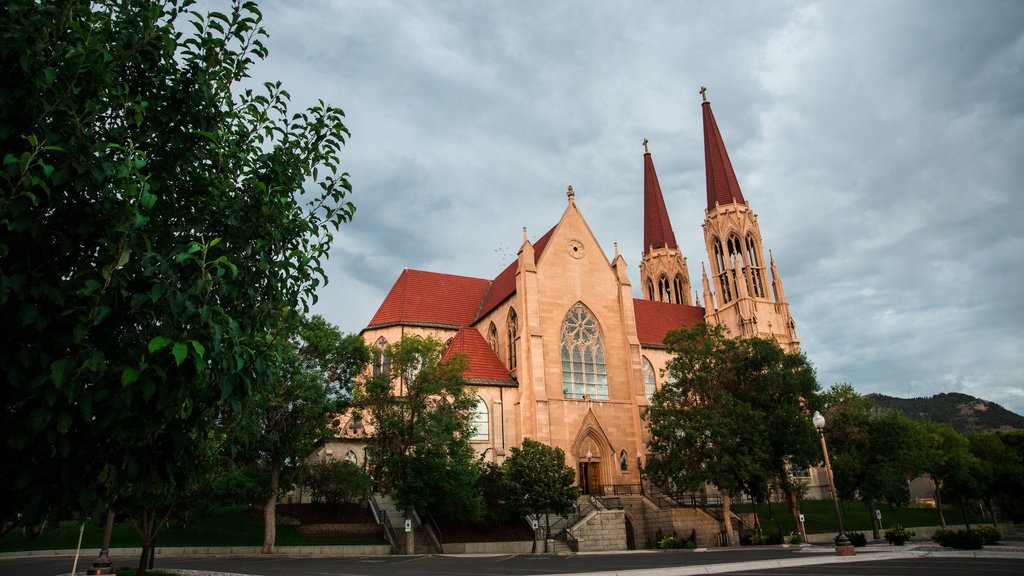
(583, 368)
(649, 382)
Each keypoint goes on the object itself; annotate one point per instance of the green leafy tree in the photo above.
(734, 413)
(945, 452)
(1005, 450)
(896, 456)
(538, 481)
(421, 413)
(848, 418)
(700, 432)
(334, 481)
(781, 387)
(994, 473)
(156, 239)
(314, 383)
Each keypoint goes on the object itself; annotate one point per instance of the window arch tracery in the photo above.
(381, 358)
(513, 337)
(583, 362)
(756, 281)
(492, 338)
(481, 421)
(723, 272)
(664, 289)
(650, 381)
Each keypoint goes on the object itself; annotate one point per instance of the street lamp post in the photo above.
(843, 545)
(102, 564)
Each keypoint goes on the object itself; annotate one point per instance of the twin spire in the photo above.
(722, 186)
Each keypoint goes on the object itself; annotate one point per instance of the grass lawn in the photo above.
(820, 516)
(238, 526)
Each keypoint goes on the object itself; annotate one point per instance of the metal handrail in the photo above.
(389, 530)
(375, 508)
(434, 530)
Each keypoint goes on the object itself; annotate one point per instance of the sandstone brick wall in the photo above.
(604, 530)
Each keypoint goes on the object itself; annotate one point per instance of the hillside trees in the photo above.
(733, 413)
(156, 240)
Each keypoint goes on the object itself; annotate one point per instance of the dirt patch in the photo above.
(327, 513)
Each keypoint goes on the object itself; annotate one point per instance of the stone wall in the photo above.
(514, 547)
(342, 530)
(679, 522)
(601, 530)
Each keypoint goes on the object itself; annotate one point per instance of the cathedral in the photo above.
(559, 349)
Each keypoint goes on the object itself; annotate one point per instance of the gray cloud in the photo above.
(879, 143)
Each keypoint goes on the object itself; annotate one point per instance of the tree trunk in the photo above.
(991, 510)
(727, 519)
(794, 510)
(270, 511)
(874, 521)
(410, 536)
(963, 512)
(148, 533)
(938, 501)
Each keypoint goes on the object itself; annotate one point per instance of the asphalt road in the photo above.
(655, 563)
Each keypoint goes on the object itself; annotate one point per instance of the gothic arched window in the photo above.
(381, 359)
(650, 290)
(664, 289)
(757, 284)
(481, 421)
(736, 261)
(650, 383)
(723, 273)
(623, 461)
(583, 369)
(492, 338)
(677, 284)
(513, 337)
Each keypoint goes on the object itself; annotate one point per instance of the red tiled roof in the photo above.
(504, 284)
(484, 364)
(723, 188)
(655, 319)
(657, 227)
(430, 298)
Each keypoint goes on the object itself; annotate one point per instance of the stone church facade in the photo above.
(561, 351)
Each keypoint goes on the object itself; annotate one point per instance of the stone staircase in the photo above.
(423, 543)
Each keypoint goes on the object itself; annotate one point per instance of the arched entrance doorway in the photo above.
(592, 450)
(589, 474)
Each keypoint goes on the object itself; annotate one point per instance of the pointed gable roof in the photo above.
(484, 365)
(504, 284)
(657, 227)
(655, 319)
(723, 188)
(431, 299)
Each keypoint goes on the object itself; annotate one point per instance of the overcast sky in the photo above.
(880, 143)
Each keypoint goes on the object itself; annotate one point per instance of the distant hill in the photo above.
(963, 412)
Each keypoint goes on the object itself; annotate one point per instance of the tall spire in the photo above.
(723, 188)
(657, 228)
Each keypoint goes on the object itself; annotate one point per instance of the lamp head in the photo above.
(818, 420)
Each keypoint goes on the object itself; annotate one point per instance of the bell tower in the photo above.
(663, 273)
(742, 300)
